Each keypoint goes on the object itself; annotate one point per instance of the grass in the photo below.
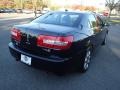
(115, 21)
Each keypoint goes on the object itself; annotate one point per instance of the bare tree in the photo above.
(39, 4)
(35, 7)
(111, 4)
(118, 9)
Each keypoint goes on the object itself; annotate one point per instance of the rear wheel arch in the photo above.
(85, 60)
(88, 49)
(89, 44)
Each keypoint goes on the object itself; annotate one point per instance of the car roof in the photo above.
(79, 12)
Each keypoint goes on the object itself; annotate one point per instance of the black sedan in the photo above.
(59, 40)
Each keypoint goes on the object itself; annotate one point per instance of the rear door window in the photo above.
(94, 24)
(93, 21)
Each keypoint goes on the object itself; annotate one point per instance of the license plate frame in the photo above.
(26, 59)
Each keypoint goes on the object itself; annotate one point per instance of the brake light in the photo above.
(16, 35)
(55, 42)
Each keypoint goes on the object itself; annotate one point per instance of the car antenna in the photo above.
(66, 10)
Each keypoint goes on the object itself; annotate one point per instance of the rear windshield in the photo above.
(60, 18)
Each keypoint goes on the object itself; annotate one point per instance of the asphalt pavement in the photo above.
(104, 72)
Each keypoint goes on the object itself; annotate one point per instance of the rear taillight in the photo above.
(55, 42)
(16, 34)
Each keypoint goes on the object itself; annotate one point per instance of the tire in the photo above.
(84, 65)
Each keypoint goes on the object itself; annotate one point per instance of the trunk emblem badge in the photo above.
(28, 41)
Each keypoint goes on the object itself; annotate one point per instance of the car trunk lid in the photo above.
(31, 32)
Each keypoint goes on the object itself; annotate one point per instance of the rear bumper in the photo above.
(43, 62)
